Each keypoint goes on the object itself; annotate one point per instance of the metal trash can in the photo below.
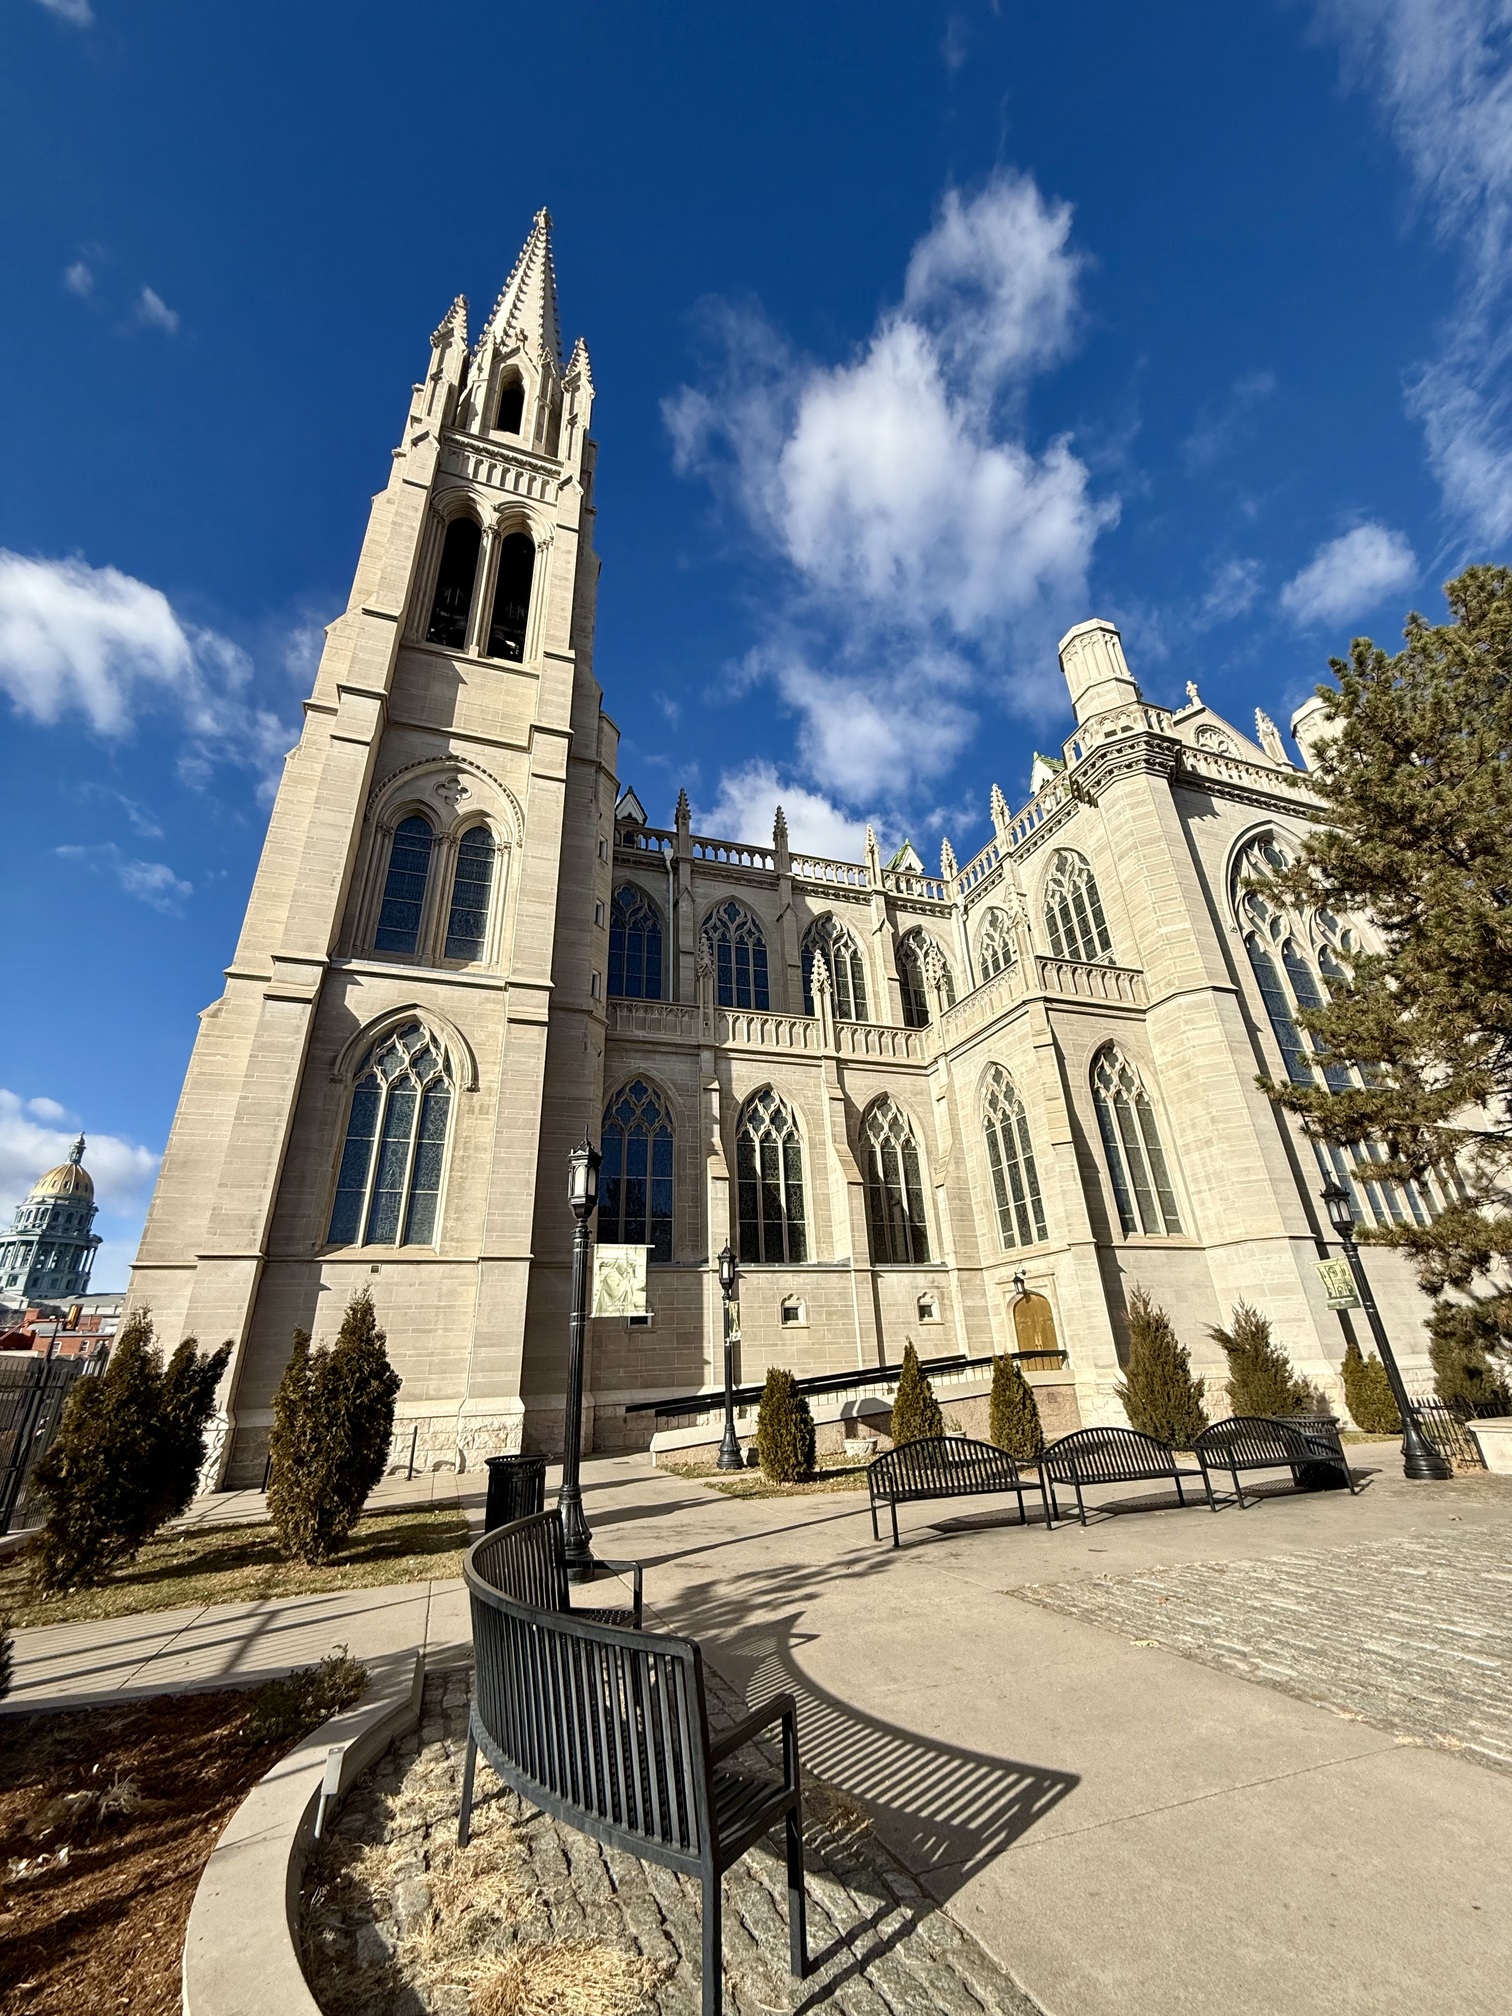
(516, 1489)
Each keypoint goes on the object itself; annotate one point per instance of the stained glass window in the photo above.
(923, 969)
(769, 1181)
(635, 1182)
(735, 943)
(1010, 1160)
(472, 886)
(1131, 1142)
(389, 1183)
(404, 888)
(635, 946)
(995, 945)
(894, 1187)
(830, 941)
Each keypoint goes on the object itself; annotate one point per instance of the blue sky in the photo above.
(919, 333)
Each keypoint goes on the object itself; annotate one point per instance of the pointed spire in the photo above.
(578, 367)
(684, 813)
(779, 829)
(453, 324)
(999, 806)
(527, 308)
(948, 867)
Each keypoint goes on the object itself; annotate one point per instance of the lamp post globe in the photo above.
(582, 1195)
(730, 1457)
(1420, 1460)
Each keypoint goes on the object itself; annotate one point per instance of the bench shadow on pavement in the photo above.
(943, 1810)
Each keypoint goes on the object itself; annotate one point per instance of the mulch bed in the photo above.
(101, 1929)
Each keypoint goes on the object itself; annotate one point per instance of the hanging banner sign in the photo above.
(733, 1305)
(619, 1280)
(1338, 1283)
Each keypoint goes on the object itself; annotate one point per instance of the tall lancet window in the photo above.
(1010, 1159)
(734, 942)
(923, 970)
(894, 1187)
(472, 886)
(454, 584)
(1131, 1142)
(635, 1202)
(635, 946)
(404, 887)
(511, 604)
(769, 1181)
(511, 407)
(995, 944)
(1074, 921)
(830, 941)
(389, 1184)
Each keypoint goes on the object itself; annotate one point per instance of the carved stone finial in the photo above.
(1269, 737)
(684, 813)
(999, 806)
(1192, 694)
(948, 868)
(779, 828)
(819, 975)
(453, 323)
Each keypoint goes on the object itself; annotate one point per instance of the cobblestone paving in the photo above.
(1414, 1635)
(883, 1948)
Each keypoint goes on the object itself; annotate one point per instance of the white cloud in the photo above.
(46, 1109)
(78, 279)
(926, 538)
(123, 1172)
(77, 13)
(1233, 591)
(153, 882)
(1219, 429)
(96, 643)
(154, 313)
(747, 806)
(1348, 576)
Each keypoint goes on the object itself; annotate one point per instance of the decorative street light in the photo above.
(730, 1457)
(1420, 1460)
(582, 1194)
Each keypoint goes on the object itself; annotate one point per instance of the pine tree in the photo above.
(785, 1441)
(1013, 1421)
(1159, 1394)
(1416, 779)
(333, 1421)
(1261, 1379)
(1368, 1394)
(126, 1457)
(916, 1415)
(1469, 1361)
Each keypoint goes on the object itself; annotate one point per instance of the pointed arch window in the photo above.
(635, 1195)
(1131, 1141)
(635, 946)
(472, 888)
(404, 886)
(511, 408)
(389, 1184)
(734, 942)
(923, 972)
(454, 584)
(995, 943)
(829, 940)
(1074, 921)
(511, 603)
(1010, 1159)
(769, 1181)
(894, 1187)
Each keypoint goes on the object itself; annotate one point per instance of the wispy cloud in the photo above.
(746, 809)
(79, 279)
(97, 644)
(153, 312)
(77, 13)
(32, 1142)
(151, 882)
(1220, 429)
(924, 538)
(1349, 575)
(1233, 591)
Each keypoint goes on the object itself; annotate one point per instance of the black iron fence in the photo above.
(32, 1392)
(1444, 1425)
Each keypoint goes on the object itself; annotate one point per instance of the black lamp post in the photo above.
(730, 1457)
(1420, 1459)
(582, 1194)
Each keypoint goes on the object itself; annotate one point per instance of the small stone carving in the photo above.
(451, 791)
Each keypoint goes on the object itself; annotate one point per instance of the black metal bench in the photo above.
(1306, 1444)
(608, 1729)
(530, 1565)
(1110, 1456)
(940, 1466)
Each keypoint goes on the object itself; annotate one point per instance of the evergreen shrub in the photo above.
(333, 1421)
(1013, 1421)
(1368, 1394)
(1159, 1394)
(126, 1458)
(1261, 1379)
(916, 1413)
(785, 1441)
(1467, 1348)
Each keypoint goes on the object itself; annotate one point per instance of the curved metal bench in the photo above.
(1110, 1456)
(940, 1466)
(527, 1560)
(1306, 1444)
(608, 1729)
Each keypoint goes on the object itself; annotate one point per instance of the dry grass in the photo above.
(837, 1476)
(239, 1564)
(567, 1977)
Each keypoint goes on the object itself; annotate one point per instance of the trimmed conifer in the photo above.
(126, 1457)
(1013, 1421)
(1468, 1352)
(916, 1413)
(1367, 1391)
(333, 1421)
(1159, 1394)
(1261, 1379)
(785, 1439)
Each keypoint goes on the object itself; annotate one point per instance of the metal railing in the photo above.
(1444, 1425)
(688, 1406)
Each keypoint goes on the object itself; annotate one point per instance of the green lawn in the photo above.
(240, 1564)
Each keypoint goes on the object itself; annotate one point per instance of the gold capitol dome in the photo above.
(69, 1179)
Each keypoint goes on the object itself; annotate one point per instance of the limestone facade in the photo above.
(974, 1105)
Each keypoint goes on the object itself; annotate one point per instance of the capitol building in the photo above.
(970, 1104)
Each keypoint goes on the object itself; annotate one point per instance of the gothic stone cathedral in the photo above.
(973, 1109)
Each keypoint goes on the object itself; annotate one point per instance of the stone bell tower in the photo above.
(411, 1029)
